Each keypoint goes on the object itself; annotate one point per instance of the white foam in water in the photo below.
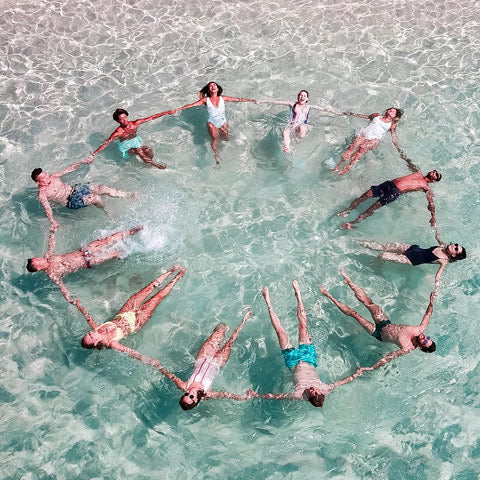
(264, 218)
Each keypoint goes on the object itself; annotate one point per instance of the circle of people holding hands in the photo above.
(139, 308)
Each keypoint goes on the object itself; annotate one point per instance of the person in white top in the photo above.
(217, 126)
(302, 360)
(369, 137)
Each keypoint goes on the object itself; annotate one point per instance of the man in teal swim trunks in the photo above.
(407, 337)
(302, 360)
(130, 144)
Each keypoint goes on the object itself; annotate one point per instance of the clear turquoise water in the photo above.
(262, 219)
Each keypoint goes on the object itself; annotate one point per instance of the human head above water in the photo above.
(425, 344)
(191, 399)
(434, 176)
(455, 252)
(314, 397)
(118, 112)
(205, 91)
(398, 113)
(35, 173)
(303, 91)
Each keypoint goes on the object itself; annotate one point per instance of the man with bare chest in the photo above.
(51, 188)
(96, 252)
(130, 143)
(389, 191)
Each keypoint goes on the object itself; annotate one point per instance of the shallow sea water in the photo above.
(263, 218)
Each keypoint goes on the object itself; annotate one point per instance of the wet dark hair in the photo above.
(35, 173)
(205, 93)
(303, 90)
(429, 349)
(316, 399)
(119, 112)
(30, 266)
(98, 346)
(459, 256)
(398, 115)
(188, 406)
(432, 179)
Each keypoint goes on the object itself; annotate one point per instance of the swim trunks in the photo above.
(418, 256)
(216, 115)
(130, 317)
(378, 329)
(126, 145)
(304, 353)
(75, 200)
(386, 191)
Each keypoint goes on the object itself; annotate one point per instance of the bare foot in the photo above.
(323, 291)
(135, 230)
(286, 149)
(161, 166)
(347, 226)
(343, 213)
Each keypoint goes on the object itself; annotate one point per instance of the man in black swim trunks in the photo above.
(389, 191)
(407, 337)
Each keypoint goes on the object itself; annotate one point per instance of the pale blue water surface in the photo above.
(264, 218)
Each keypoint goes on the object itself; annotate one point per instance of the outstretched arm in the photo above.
(107, 142)
(358, 373)
(63, 289)
(153, 117)
(328, 110)
(439, 274)
(91, 322)
(386, 359)
(238, 99)
(51, 244)
(428, 313)
(73, 167)
(431, 207)
(48, 211)
(403, 155)
(150, 361)
(277, 102)
(273, 396)
(360, 115)
(202, 101)
(232, 396)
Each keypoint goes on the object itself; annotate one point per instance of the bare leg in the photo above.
(363, 215)
(303, 335)
(375, 311)
(110, 191)
(146, 154)
(277, 326)
(357, 141)
(224, 353)
(99, 244)
(393, 247)
(301, 130)
(212, 343)
(395, 257)
(213, 131)
(368, 326)
(355, 203)
(287, 131)
(134, 302)
(223, 131)
(365, 146)
(146, 310)
(96, 200)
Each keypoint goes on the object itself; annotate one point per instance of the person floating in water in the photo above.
(298, 121)
(302, 360)
(407, 337)
(390, 190)
(217, 126)
(51, 188)
(369, 137)
(130, 143)
(96, 252)
(134, 314)
(415, 255)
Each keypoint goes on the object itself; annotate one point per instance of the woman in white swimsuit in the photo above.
(369, 137)
(211, 96)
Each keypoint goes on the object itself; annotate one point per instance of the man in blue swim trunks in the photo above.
(302, 360)
(389, 191)
(130, 144)
(407, 337)
(51, 188)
